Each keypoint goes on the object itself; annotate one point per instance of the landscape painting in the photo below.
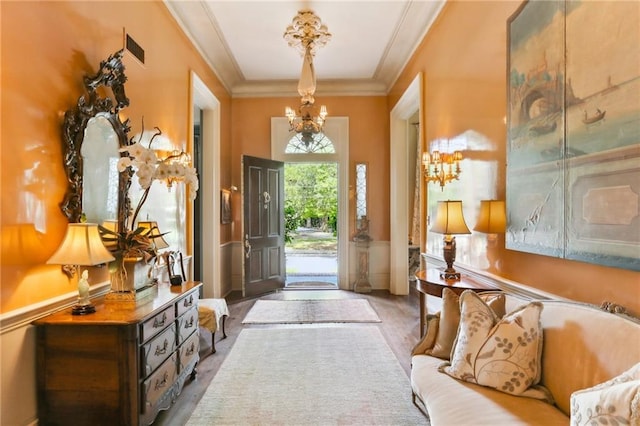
(573, 152)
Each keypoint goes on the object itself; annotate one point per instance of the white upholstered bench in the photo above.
(212, 314)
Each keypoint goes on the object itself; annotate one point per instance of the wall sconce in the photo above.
(441, 167)
(81, 246)
(492, 220)
(449, 221)
(180, 158)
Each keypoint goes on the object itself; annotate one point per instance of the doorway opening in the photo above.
(311, 225)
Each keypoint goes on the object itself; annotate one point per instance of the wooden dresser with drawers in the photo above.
(120, 365)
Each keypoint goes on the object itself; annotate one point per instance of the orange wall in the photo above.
(368, 142)
(464, 59)
(46, 49)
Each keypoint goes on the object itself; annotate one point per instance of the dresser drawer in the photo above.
(187, 324)
(155, 387)
(189, 352)
(157, 323)
(158, 349)
(186, 303)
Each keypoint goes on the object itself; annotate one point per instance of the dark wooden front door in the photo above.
(264, 258)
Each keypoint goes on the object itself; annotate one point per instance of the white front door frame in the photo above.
(409, 103)
(204, 99)
(337, 130)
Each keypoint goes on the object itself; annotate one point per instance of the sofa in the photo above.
(586, 355)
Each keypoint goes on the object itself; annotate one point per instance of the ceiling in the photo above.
(242, 41)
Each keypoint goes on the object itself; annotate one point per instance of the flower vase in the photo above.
(130, 279)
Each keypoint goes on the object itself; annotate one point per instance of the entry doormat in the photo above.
(310, 311)
(309, 376)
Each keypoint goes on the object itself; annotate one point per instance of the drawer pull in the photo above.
(160, 323)
(188, 301)
(189, 324)
(163, 350)
(191, 350)
(162, 383)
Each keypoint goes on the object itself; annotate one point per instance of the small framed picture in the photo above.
(225, 206)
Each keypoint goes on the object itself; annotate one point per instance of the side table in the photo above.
(429, 282)
(212, 315)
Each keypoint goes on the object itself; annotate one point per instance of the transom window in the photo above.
(319, 144)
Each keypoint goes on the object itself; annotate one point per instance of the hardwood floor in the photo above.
(400, 327)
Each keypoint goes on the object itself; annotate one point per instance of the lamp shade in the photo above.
(492, 218)
(154, 234)
(449, 219)
(81, 245)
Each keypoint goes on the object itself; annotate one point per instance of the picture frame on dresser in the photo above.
(573, 141)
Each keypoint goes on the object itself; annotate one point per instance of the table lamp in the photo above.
(492, 220)
(154, 233)
(449, 221)
(81, 246)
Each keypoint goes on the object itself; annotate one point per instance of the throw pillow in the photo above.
(428, 340)
(448, 320)
(448, 328)
(500, 353)
(616, 401)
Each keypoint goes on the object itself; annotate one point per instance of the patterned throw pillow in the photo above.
(500, 353)
(614, 402)
(442, 328)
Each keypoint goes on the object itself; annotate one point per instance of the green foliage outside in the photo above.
(311, 196)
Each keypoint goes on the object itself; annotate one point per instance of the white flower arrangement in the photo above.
(149, 167)
(137, 242)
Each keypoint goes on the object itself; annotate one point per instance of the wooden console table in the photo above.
(429, 282)
(120, 365)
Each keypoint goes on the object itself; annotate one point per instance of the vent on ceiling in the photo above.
(135, 49)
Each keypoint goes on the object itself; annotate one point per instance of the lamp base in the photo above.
(83, 309)
(450, 276)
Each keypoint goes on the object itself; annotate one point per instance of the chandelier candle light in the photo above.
(307, 33)
(449, 221)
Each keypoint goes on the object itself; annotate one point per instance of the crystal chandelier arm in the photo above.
(307, 83)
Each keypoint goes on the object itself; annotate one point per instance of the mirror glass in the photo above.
(100, 178)
(93, 134)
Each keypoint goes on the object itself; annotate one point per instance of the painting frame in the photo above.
(225, 207)
(573, 173)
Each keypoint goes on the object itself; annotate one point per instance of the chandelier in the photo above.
(307, 33)
(441, 167)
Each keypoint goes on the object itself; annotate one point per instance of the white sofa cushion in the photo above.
(452, 402)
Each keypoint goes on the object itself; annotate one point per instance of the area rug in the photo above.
(341, 375)
(310, 311)
(311, 285)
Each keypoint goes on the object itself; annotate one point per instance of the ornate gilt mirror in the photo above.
(93, 133)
